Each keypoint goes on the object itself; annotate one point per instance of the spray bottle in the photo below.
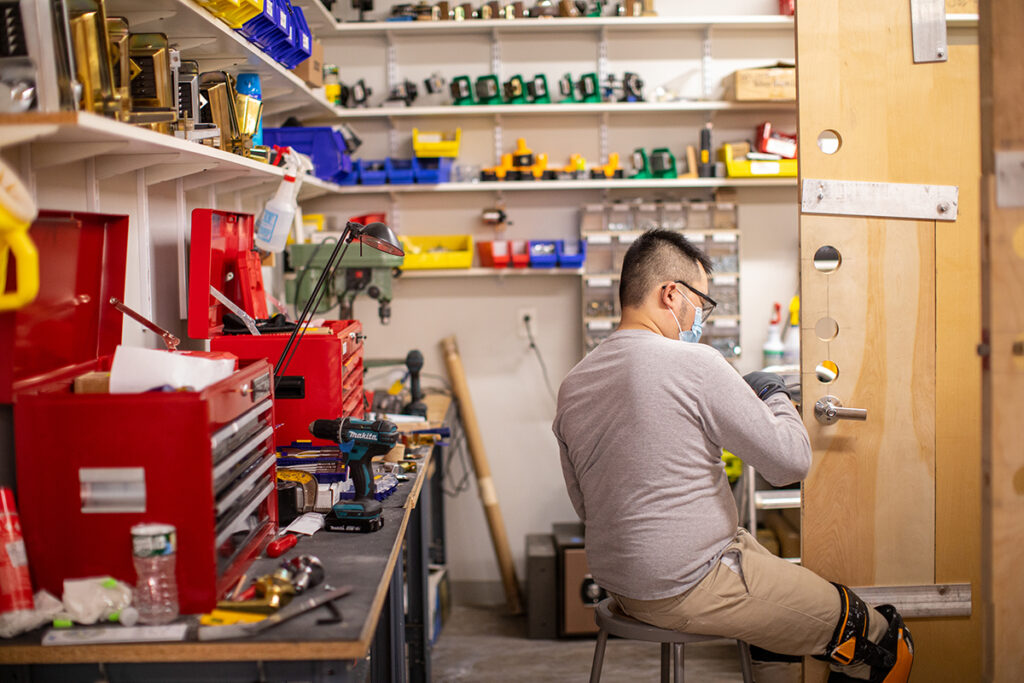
(773, 348)
(278, 215)
(791, 345)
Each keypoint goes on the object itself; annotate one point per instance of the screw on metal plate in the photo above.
(940, 53)
(943, 207)
(821, 192)
(229, 276)
(1018, 348)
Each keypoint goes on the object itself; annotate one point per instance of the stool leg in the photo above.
(666, 661)
(595, 669)
(677, 661)
(745, 665)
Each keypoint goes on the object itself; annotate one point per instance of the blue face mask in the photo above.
(691, 335)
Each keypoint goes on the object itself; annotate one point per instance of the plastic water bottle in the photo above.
(156, 590)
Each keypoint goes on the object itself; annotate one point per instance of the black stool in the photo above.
(611, 621)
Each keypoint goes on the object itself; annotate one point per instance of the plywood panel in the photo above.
(899, 122)
(866, 474)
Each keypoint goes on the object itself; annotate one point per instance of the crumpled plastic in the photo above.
(15, 623)
(87, 601)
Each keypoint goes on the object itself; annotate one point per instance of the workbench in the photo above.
(375, 624)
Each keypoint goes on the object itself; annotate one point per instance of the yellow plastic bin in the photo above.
(433, 144)
(780, 168)
(245, 10)
(423, 252)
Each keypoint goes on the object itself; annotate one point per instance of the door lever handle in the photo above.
(828, 410)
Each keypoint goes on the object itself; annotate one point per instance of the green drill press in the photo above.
(370, 272)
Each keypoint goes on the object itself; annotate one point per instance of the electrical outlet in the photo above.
(521, 315)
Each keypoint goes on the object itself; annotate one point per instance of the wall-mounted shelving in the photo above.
(490, 272)
(331, 28)
(117, 148)
(201, 36)
(564, 185)
(566, 109)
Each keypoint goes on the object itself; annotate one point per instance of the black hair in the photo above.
(656, 256)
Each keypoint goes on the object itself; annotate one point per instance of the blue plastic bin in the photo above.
(544, 253)
(571, 253)
(284, 46)
(301, 40)
(324, 145)
(267, 34)
(372, 171)
(261, 24)
(400, 171)
(432, 169)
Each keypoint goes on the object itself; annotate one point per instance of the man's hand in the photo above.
(765, 384)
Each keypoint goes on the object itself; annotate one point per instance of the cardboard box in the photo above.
(765, 83)
(312, 70)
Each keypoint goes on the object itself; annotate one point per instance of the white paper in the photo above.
(307, 524)
(136, 370)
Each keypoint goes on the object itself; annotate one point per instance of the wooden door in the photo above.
(893, 500)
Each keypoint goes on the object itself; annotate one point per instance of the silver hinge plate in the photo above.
(1010, 180)
(886, 200)
(928, 30)
(938, 600)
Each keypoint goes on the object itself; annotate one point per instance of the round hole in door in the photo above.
(826, 329)
(829, 141)
(826, 372)
(827, 259)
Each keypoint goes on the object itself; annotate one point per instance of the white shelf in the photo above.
(488, 272)
(582, 24)
(636, 233)
(118, 148)
(319, 19)
(205, 38)
(565, 109)
(563, 185)
(557, 24)
(614, 277)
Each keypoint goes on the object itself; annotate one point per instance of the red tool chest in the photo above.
(325, 376)
(90, 466)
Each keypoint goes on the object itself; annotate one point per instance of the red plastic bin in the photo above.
(520, 253)
(493, 254)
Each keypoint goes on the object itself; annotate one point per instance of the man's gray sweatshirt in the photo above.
(641, 424)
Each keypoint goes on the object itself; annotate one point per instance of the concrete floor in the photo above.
(483, 644)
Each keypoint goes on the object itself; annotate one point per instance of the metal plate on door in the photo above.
(885, 200)
(928, 30)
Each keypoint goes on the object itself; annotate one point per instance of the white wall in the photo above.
(513, 407)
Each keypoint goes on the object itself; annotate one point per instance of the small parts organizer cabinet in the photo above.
(92, 465)
(610, 228)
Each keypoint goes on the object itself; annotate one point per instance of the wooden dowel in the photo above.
(484, 482)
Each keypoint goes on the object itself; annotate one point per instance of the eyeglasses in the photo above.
(707, 303)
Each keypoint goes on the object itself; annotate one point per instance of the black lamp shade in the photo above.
(381, 238)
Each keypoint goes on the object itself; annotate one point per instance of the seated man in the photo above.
(641, 424)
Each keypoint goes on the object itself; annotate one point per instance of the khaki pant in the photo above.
(754, 596)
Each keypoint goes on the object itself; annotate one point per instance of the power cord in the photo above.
(540, 358)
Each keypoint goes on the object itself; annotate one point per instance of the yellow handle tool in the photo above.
(17, 211)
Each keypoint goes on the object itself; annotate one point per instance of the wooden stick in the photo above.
(484, 482)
